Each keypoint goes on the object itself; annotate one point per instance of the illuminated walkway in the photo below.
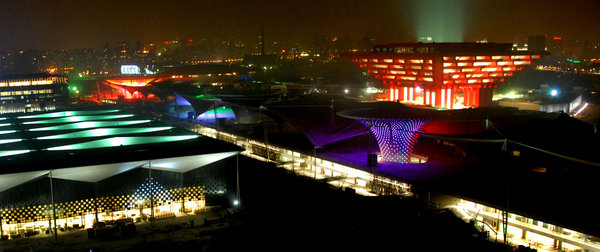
(521, 230)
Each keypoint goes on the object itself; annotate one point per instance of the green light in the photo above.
(122, 141)
(7, 131)
(5, 124)
(12, 152)
(2, 118)
(75, 88)
(79, 119)
(89, 125)
(68, 113)
(4, 141)
(105, 132)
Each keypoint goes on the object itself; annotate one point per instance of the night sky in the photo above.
(66, 24)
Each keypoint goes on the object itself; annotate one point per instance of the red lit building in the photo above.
(447, 75)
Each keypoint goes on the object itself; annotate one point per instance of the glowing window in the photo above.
(416, 61)
(524, 62)
(398, 72)
(408, 78)
(415, 67)
(398, 66)
(484, 63)
(519, 57)
(463, 58)
(489, 69)
(388, 60)
(390, 77)
(468, 70)
(449, 70)
(482, 57)
(380, 66)
(462, 64)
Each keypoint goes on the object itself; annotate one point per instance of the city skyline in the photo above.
(73, 24)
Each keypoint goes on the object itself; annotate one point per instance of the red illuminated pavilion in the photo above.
(446, 75)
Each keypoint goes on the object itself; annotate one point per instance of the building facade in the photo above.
(33, 92)
(445, 75)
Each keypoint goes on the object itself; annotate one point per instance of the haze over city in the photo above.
(74, 24)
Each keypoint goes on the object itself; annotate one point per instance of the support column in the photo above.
(558, 244)
(451, 90)
(476, 97)
(237, 176)
(53, 209)
(391, 94)
(467, 97)
(1, 231)
(438, 98)
(405, 93)
(426, 97)
(411, 94)
(483, 96)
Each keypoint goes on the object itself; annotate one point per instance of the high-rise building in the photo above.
(33, 92)
(447, 75)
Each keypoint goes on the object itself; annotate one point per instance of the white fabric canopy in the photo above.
(95, 173)
(8, 181)
(185, 164)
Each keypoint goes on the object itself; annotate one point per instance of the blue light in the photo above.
(554, 92)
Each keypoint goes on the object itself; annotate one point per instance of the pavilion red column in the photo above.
(476, 96)
(438, 98)
(467, 97)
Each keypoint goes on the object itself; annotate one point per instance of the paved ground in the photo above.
(173, 230)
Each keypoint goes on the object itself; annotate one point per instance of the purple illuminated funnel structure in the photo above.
(396, 137)
(394, 126)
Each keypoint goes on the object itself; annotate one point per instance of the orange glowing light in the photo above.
(131, 82)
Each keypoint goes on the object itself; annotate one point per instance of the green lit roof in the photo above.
(91, 124)
(104, 132)
(68, 113)
(122, 141)
(92, 145)
(3, 141)
(12, 152)
(79, 119)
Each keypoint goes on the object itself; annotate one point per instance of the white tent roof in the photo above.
(95, 173)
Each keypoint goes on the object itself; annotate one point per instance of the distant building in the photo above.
(536, 43)
(447, 75)
(32, 92)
